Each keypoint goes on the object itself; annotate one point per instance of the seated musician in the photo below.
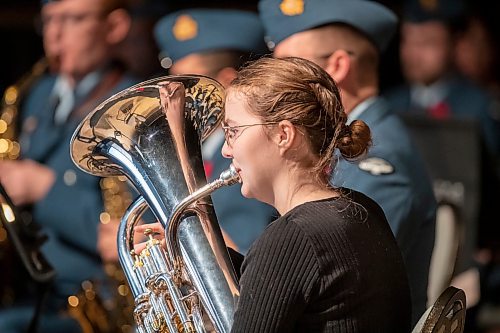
(82, 37)
(330, 262)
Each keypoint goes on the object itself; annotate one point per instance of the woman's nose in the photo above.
(226, 150)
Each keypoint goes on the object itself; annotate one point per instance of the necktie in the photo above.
(440, 110)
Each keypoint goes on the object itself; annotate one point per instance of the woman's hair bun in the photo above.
(354, 140)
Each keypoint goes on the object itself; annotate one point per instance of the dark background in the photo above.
(21, 44)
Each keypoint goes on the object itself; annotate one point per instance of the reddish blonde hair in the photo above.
(301, 92)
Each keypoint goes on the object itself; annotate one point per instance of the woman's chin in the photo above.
(245, 192)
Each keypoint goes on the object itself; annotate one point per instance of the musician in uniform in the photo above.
(215, 42)
(65, 201)
(346, 39)
(433, 87)
(434, 90)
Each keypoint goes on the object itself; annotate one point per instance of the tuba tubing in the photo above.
(125, 232)
(125, 240)
(227, 178)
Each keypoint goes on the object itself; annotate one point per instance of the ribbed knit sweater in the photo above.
(331, 265)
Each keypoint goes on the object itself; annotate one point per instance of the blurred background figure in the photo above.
(215, 43)
(429, 33)
(346, 38)
(15, 282)
(477, 58)
(82, 39)
(51, 17)
(477, 48)
(444, 47)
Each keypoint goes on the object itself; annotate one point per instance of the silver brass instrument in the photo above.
(151, 133)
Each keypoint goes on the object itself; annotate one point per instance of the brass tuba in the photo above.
(151, 133)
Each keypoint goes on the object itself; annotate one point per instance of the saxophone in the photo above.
(95, 312)
(10, 284)
(151, 133)
(9, 146)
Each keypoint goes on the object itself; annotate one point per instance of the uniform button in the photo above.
(69, 177)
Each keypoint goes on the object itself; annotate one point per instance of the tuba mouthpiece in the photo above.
(230, 176)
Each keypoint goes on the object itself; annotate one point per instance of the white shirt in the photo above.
(360, 108)
(424, 97)
(70, 97)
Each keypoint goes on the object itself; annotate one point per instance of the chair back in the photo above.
(451, 150)
(446, 315)
(449, 235)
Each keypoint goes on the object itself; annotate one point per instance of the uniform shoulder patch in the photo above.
(376, 166)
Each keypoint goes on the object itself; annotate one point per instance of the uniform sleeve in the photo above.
(278, 275)
(71, 210)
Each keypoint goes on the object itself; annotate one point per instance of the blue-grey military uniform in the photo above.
(463, 99)
(192, 31)
(68, 214)
(392, 173)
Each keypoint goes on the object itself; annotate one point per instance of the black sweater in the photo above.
(326, 266)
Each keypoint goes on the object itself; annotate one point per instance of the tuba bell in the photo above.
(151, 133)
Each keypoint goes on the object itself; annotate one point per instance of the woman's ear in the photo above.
(119, 22)
(285, 136)
(338, 65)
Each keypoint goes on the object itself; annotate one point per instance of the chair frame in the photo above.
(447, 315)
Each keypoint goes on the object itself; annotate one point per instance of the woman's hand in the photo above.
(159, 233)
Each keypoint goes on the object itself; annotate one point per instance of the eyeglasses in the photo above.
(231, 133)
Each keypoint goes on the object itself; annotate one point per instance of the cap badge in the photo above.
(185, 28)
(429, 5)
(292, 7)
